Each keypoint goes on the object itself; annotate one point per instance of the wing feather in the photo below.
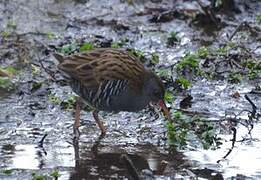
(97, 66)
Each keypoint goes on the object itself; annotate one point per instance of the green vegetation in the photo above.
(197, 64)
(190, 61)
(67, 104)
(52, 175)
(120, 43)
(55, 174)
(35, 70)
(11, 25)
(86, 46)
(5, 34)
(6, 81)
(54, 99)
(206, 133)
(164, 73)
(173, 38)
(138, 53)
(75, 47)
(203, 52)
(168, 97)
(183, 128)
(50, 35)
(9, 70)
(154, 58)
(235, 78)
(183, 82)
(7, 171)
(39, 177)
(68, 48)
(36, 86)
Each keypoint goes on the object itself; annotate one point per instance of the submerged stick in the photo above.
(40, 143)
(253, 113)
(130, 167)
(233, 144)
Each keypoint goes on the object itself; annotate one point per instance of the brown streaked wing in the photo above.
(96, 66)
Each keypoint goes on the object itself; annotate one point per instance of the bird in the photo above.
(111, 80)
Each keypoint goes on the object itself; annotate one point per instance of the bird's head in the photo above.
(154, 90)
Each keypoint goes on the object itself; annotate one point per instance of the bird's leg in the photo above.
(99, 123)
(77, 118)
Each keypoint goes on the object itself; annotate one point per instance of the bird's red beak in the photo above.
(165, 110)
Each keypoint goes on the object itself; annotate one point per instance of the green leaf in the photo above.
(164, 72)
(203, 52)
(86, 46)
(55, 174)
(173, 38)
(185, 83)
(68, 48)
(6, 83)
(155, 58)
(168, 97)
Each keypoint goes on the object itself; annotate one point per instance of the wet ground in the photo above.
(32, 30)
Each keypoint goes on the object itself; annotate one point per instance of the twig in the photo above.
(40, 143)
(238, 28)
(253, 113)
(233, 144)
(130, 167)
(50, 73)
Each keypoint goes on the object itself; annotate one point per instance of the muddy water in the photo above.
(26, 116)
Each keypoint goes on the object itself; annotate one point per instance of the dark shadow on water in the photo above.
(83, 161)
